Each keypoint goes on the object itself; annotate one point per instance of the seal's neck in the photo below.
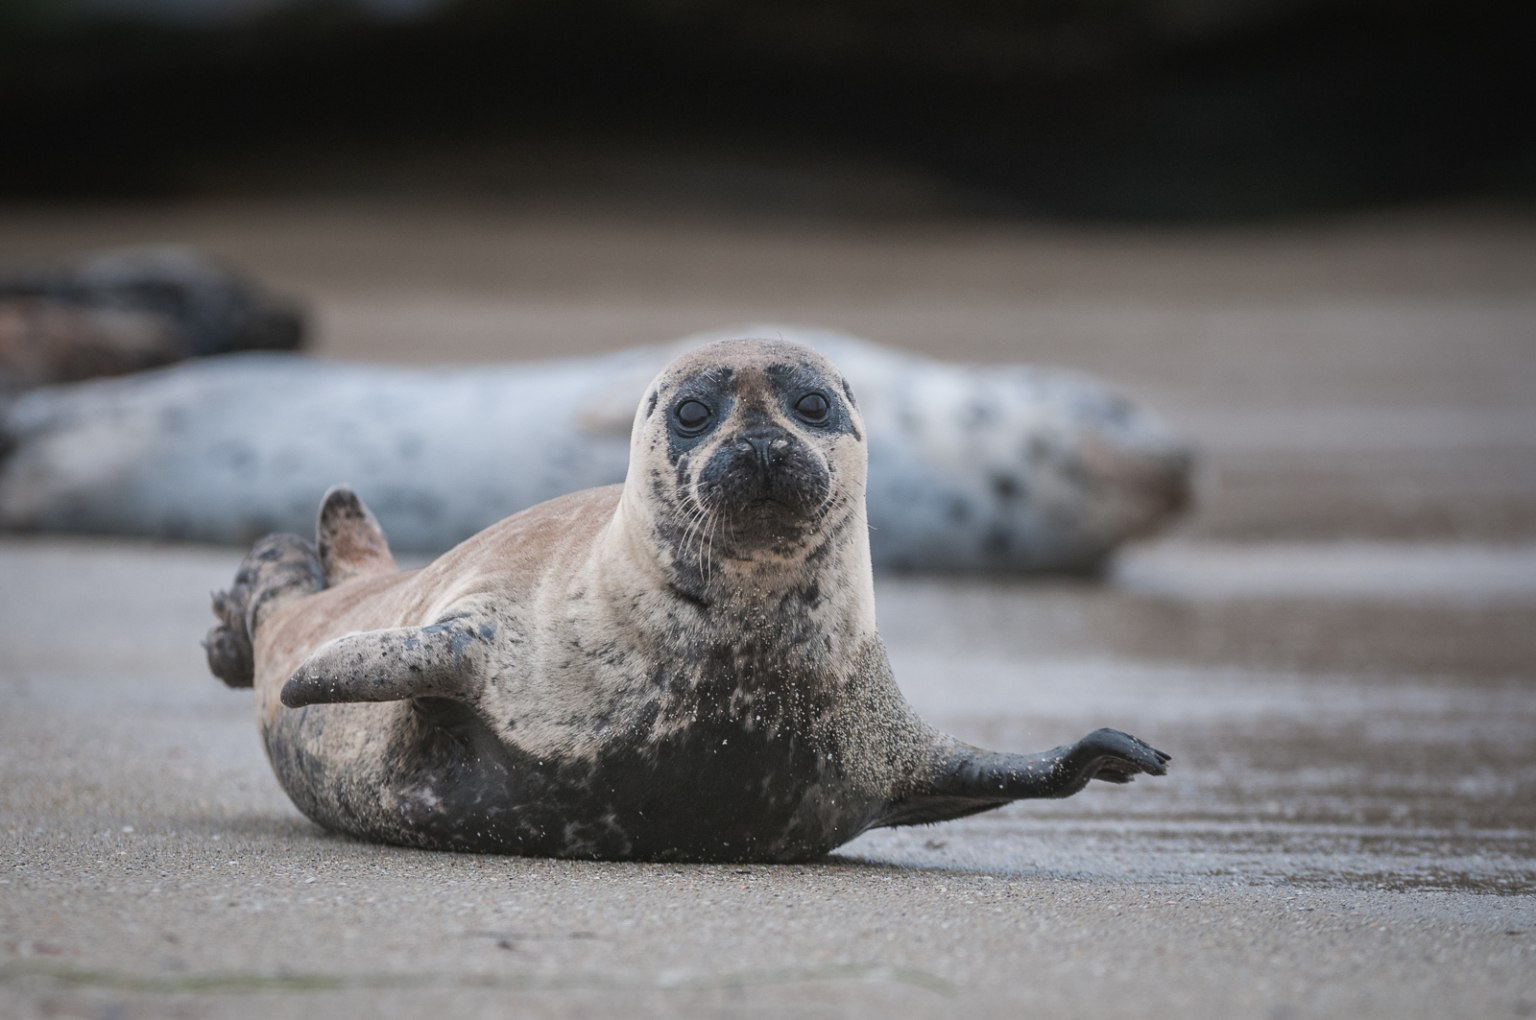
(814, 601)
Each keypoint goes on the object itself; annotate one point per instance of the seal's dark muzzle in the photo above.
(766, 468)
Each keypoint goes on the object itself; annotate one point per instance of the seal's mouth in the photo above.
(767, 517)
(769, 502)
(767, 509)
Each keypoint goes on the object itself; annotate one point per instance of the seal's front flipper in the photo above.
(967, 779)
(350, 540)
(1112, 756)
(443, 660)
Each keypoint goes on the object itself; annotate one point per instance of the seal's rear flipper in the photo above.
(350, 540)
(229, 644)
(443, 660)
(276, 568)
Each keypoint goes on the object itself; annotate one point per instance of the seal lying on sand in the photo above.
(682, 667)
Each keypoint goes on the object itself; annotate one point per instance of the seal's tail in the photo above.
(277, 568)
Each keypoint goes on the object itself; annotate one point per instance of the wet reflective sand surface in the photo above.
(1319, 740)
(1349, 828)
(1339, 651)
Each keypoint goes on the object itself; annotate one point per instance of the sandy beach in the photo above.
(1338, 648)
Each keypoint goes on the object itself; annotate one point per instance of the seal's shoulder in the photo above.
(576, 516)
(523, 544)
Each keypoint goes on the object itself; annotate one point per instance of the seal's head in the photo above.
(749, 450)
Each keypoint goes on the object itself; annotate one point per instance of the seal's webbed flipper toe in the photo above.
(228, 645)
(350, 540)
(1117, 757)
(442, 660)
(277, 568)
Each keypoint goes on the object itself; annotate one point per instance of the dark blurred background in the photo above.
(1181, 110)
(1301, 230)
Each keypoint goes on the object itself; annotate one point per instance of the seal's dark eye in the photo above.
(813, 407)
(691, 414)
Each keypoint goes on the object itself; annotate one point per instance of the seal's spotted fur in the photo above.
(683, 667)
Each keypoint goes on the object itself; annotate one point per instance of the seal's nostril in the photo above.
(758, 445)
(778, 444)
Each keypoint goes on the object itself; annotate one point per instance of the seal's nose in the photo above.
(758, 445)
(766, 445)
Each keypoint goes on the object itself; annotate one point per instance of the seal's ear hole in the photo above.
(813, 407)
(692, 415)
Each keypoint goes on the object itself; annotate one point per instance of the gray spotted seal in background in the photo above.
(681, 667)
(970, 467)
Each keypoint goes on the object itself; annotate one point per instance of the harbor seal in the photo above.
(682, 667)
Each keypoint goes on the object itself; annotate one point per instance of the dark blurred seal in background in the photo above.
(136, 308)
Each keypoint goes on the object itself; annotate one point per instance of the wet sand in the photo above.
(1339, 650)
(1349, 828)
